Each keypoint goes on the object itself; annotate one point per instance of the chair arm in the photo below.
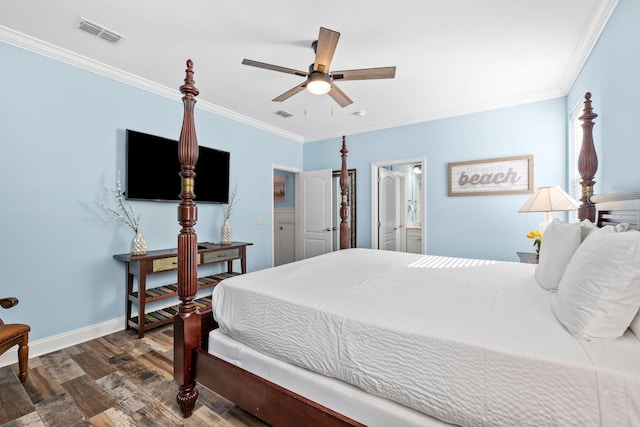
(8, 302)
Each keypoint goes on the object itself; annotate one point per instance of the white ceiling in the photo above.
(453, 56)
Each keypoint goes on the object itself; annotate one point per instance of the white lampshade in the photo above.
(549, 199)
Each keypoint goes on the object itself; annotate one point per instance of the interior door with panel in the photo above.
(387, 229)
(314, 205)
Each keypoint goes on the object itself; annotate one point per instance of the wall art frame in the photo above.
(280, 188)
(505, 175)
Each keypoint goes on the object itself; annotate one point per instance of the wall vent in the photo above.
(99, 31)
(283, 113)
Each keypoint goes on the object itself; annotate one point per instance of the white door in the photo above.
(284, 235)
(286, 245)
(400, 227)
(387, 210)
(314, 205)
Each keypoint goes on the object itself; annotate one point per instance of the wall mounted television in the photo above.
(152, 168)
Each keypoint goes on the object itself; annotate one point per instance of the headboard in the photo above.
(618, 207)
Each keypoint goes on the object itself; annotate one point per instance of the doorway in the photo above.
(288, 230)
(283, 214)
(398, 208)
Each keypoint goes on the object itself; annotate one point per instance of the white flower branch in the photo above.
(124, 212)
(232, 202)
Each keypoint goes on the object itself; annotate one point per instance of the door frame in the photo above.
(273, 230)
(374, 197)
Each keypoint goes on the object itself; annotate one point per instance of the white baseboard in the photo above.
(67, 339)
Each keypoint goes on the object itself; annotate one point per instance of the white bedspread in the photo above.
(468, 342)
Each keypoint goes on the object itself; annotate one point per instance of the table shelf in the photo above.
(154, 319)
(166, 260)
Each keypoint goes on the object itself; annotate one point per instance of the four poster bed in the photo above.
(365, 337)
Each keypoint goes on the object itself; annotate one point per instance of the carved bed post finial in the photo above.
(186, 325)
(344, 188)
(587, 161)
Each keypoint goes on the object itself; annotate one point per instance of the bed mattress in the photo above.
(469, 342)
(341, 397)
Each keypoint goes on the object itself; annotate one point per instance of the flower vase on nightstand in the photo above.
(138, 245)
(225, 235)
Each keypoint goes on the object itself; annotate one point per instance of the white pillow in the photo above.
(623, 226)
(599, 294)
(586, 227)
(560, 241)
(635, 325)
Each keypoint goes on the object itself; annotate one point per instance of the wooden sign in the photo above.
(507, 175)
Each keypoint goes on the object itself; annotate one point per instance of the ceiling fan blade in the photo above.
(288, 94)
(326, 46)
(258, 64)
(365, 74)
(339, 96)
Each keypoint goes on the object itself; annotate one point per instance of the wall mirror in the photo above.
(414, 204)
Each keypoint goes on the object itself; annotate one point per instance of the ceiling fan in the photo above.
(319, 79)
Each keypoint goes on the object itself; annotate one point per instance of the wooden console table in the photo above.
(161, 261)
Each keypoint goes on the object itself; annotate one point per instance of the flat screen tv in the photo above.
(152, 168)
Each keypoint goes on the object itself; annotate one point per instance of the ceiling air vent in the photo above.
(110, 36)
(99, 31)
(90, 27)
(283, 113)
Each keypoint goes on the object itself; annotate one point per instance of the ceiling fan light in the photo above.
(318, 83)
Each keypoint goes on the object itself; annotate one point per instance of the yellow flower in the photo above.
(534, 235)
(537, 235)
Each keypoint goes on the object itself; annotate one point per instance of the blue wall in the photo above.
(62, 132)
(469, 226)
(62, 142)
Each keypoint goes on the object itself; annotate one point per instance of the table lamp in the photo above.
(549, 199)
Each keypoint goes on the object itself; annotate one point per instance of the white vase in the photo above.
(138, 245)
(225, 235)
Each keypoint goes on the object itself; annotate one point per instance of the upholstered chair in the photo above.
(15, 334)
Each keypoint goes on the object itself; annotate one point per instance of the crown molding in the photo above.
(65, 56)
(592, 31)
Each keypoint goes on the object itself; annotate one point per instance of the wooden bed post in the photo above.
(587, 161)
(344, 188)
(186, 324)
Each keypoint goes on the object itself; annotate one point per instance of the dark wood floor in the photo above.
(117, 380)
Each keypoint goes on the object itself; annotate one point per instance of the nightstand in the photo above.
(528, 257)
